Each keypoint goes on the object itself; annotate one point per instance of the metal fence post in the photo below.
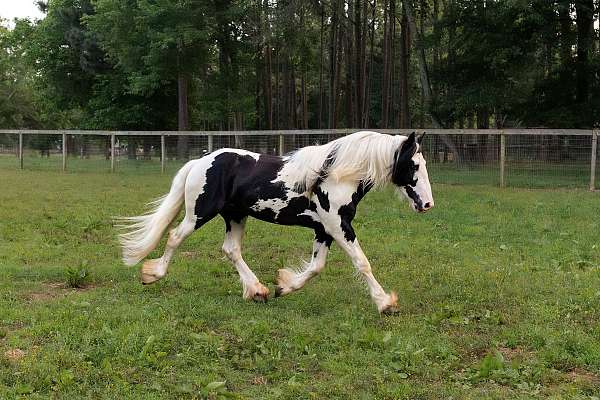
(163, 153)
(593, 162)
(210, 143)
(21, 150)
(64, 151)
(502, 159)
(281, 145)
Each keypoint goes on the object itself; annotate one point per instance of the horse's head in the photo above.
(409, 174)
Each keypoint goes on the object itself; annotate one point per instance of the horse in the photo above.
(317, 187)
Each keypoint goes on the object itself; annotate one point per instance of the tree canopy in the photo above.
(265, 64)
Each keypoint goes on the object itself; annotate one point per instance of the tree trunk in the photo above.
(183, 116)
(564, 17)
(369, 68)
(304, 102)
(404, 73)
(585, 34)
(277, 92)
(293, 100)
(321, 62)
(349, 91)
(385, 107)
(333, 62)
(267, 89)
(388, 66)
(424, 75)
(360, 60)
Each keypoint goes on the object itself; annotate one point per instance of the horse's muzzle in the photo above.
(426, 207)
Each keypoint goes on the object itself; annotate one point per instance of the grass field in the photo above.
(499, 292)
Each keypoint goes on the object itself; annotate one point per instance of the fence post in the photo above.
(281, 145)
(502, 158)
(210, 143)
(112, 153)
(163, 154)
(593, 163)
(21, 150)
(64, 151)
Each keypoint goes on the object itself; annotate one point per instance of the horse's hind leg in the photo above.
(232, 247)
(154, 270)
(289, 280)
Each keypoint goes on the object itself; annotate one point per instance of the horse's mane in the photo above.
(362, 156)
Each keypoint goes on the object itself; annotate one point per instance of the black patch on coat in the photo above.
(316, 188)
(404, 168)
(324, 171)
(322, 197)
(322, 237)
(236, 182)
(216, 190)
(414, 197)
(348, 211)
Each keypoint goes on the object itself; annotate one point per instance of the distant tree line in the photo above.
(294, 64)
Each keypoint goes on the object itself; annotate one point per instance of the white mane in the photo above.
(365, 155)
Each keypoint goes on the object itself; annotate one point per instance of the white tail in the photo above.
(143, 233)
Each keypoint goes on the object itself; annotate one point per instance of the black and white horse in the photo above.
(318, 187)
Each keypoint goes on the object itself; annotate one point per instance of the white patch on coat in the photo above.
(241, 152)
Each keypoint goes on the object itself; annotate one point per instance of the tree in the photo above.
(156, 44)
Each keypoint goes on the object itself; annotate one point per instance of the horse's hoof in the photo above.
(151, 271)
(392, 306)
(148, 279)
(390, 310)
(261, 294)
(285, 277)
(261, 298)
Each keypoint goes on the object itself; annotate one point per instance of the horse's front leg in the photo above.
(347, 240)
(289, 280)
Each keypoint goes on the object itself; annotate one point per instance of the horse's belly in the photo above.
(296, 211)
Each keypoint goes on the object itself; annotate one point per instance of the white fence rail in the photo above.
(508, 152)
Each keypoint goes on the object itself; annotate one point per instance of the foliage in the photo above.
(17, 101)
(77, 277)
(108, 64)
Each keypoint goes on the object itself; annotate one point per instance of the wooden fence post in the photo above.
(210, 143)
(112, 153)
(21, 150)
(593, 162)
(281, 145)
(502, 159)
(163, 154)
(64, 151)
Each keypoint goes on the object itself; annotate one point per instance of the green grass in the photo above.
(499, 292)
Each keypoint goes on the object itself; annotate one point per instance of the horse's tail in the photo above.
(143, 233)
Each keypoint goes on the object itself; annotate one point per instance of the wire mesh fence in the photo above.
(523, 158)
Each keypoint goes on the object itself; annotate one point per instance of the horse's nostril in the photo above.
(427, 206)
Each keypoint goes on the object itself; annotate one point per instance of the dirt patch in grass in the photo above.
(517, 353)
(259, 380)
(14, 355)
(54, 290)
(190, 254)
(582, 375)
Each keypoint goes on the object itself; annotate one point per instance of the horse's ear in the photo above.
(420, 138)
(408, 149)
(410, 141)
